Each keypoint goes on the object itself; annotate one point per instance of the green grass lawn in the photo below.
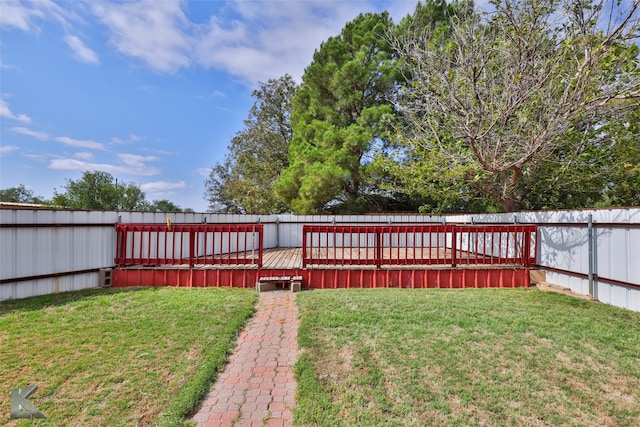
(494, 357)
(118, 357)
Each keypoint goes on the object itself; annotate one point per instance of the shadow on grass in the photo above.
(59, 299)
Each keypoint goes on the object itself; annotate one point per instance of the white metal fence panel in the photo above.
(564, 245)
(565, 248)
(53, 251)
(618, 296)
(47, 250)
(53, 243)
(48, 286)
(290, 226)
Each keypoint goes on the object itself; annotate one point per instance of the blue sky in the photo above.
(149, 91)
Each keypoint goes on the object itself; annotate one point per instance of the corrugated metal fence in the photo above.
(43, 251)
(49, 251)
(602, 260)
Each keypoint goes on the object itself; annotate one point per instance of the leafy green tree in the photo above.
(623, 185)
(341, 114)
(606, 172)
(433, 15)
(19, 194)
(219, 188)
(163, 206)
(504, 105)
(244, 181)
(99, 191)
(435, 18)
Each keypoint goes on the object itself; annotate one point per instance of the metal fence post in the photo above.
(591, 252)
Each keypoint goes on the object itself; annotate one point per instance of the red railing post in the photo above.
(335, 250)
(192, 244)
(116, 259)
(260, 245)
(120, 244)
(378, 249)
(148, 245)
(140, 252)
(165, 247)
(304, 246)
(526, 252)
(454, 239)
(535, 246)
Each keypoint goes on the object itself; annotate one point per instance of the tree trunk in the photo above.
(510, 204)
(509, 198)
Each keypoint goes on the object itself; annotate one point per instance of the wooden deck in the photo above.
(291, 259)
(326, 267)
(282, 259)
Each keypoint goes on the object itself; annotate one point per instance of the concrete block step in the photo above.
(294, 283)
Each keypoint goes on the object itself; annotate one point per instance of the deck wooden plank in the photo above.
(345, 258)
(285, 258)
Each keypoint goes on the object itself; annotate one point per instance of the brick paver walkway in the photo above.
(257, 386)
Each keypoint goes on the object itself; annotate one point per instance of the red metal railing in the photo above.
(160, 244)
(496, 244)
(419, 245)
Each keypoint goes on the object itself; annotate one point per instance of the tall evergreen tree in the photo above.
(341, 113)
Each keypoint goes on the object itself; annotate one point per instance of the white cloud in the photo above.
(249, 49)
(136, 160)
(132, 138)
(79, 165)
(252, 40)
(400, 9)
(153, 33)
(42, 136)
(84, 156)
(16, 15)
(78, 143)
(81, 51)
(42, 158)
(6, 149)
(128, 164)
(132, 165)
(272, 38)
(4, 66)
(6, 112)
(162, 186)
(203, 172)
